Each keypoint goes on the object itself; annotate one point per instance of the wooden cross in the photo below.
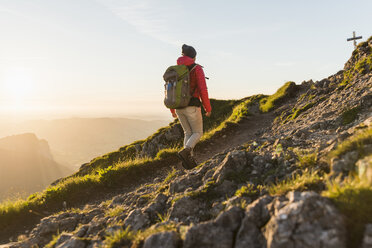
(354, 38)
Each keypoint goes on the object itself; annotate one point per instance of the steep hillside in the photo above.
(288, 170)
(26, 166)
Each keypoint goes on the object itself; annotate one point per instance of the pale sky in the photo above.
(107, 57)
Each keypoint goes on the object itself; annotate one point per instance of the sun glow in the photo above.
(17, 89)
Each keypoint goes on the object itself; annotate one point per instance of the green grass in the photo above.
(170, 176)
(353, 143)
(101, 174)
(309, 180)
(249, 190)
(306, 158)
(75, 189)
(53, 242)
(126, 238)
(120, 238)
(350, 115)
(238, 113)
(299, 111)
(271, 102)
(354, 200)
(362, 66)
(113, 212)
(222, 109)
(166, 153)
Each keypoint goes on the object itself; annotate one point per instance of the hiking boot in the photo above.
(188, 161)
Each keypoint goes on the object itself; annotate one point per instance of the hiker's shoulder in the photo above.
(199, 67)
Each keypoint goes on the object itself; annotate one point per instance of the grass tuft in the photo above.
(249, 190)
(309, 180)
(306, 158)
(120, 238)
(271, 102)
(353, 198)
(166, 153)
(355, 142)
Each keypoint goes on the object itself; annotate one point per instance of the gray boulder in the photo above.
(308, 220)
(163, 240)
(158, 206)
(217, 233)
(137, 220)
(185, 207)
(234, 162)
(73, 242)
(367, 240)
(364, 167)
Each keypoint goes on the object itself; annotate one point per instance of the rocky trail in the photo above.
(247, 130)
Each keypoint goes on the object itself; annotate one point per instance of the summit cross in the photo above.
(354, 38)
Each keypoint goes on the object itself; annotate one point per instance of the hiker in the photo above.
(191, 117)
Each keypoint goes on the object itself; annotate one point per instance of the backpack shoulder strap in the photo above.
(191, 67)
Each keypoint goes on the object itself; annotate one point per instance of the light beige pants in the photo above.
(192, 124)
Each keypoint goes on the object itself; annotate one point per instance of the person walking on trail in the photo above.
(190, 117)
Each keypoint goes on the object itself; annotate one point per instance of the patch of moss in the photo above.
(299, 111)
(271, 102)
(349, 115)
(207, 193)
(354, 200)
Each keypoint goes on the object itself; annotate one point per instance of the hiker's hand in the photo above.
(174, 115)
(208, 114)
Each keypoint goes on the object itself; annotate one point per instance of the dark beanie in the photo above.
(188, 51)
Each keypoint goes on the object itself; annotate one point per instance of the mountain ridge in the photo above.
(27, 165)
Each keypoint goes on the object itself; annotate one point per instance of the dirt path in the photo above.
(244, 132)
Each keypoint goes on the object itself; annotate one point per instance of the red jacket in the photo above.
(197, 82)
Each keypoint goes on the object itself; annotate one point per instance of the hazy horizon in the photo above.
(106, 57)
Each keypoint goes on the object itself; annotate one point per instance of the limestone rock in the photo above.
(234, 162)
(137, 220)
(163, 240)
(367, 240)
(217, 233)
(308, 220)
(365, 168)
(184, 207)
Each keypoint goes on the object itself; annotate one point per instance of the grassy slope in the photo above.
(110, 171)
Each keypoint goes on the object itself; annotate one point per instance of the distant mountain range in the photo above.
(75, 141)
(26, 165)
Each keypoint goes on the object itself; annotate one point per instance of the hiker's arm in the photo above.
(173, 111)
(203, 91)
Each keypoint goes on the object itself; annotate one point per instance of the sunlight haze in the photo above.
(107, 57)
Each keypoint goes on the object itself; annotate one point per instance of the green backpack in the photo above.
(177, 86)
